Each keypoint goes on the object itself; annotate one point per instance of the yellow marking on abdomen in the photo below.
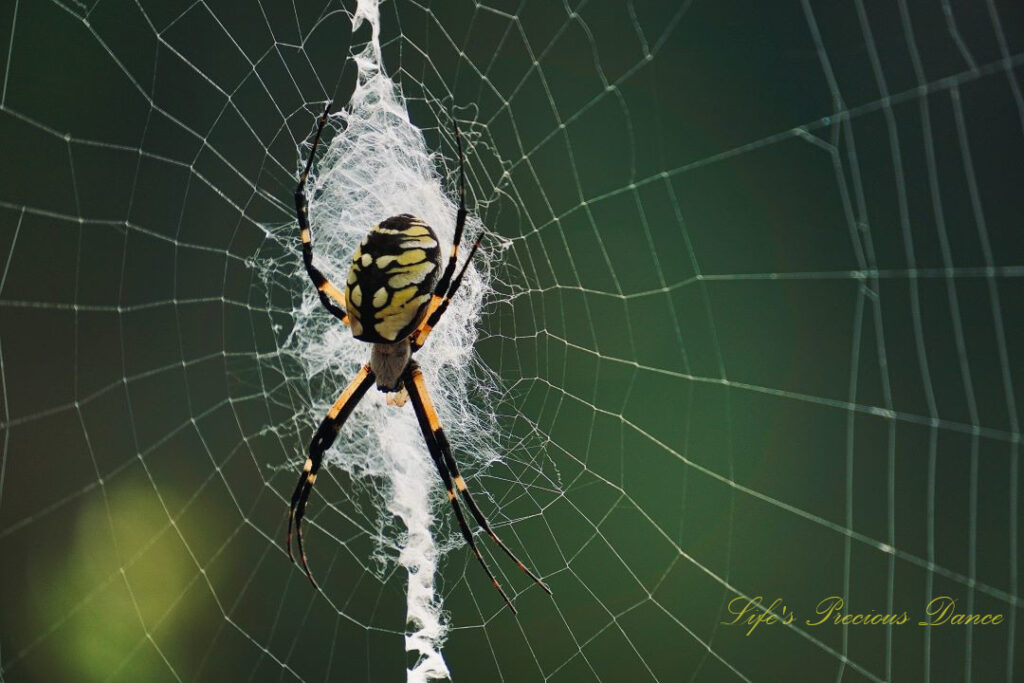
(411, 275)
(422, 242)
(380, 297)
(394, 318)
(406, 258)
(413, 229)
(355, 294)
(410, 256)
(400, 298)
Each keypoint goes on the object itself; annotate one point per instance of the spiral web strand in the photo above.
(752, 287)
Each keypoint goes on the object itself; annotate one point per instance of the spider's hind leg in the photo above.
(325, 435)
(441, 451)
(423, 415)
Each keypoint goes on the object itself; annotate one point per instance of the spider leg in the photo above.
(460, 220)
(446, 286)
(460, 483)
(438, 443)
(435, 454)
(330, 296)
(322, 440)
(439, 304)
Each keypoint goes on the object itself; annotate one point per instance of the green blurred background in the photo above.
(762, 320)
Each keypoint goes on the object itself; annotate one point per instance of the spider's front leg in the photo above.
(330, 296)
(446, 286)
(325, 435)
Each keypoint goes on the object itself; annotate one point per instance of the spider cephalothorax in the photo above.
(392, 300)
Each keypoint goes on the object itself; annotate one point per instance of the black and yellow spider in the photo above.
(391, 301)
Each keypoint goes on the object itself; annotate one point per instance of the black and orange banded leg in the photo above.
(330, 296)
(325, 435)
(435, 454)
(441, 290)
(441, 451)
(439, 304)
(446, 286)
(460, 483)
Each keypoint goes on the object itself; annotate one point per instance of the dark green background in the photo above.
(766, 335)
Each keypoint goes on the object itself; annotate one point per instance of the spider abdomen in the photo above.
(391, 279)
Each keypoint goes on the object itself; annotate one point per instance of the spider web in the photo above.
(748, 324)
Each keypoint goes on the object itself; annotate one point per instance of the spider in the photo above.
(391, 301)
